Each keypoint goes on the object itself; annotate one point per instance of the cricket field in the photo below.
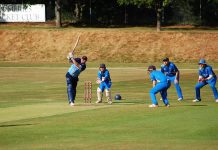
(35, 115)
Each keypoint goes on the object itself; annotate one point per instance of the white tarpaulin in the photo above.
(22, 13)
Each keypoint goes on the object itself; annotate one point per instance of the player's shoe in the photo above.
(153, 106)
(72, 104)
(110, 102)
(180, 99)
(98, 101)
(216, 100)
(196, 100)
(168, 105)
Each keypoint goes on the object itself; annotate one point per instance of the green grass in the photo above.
(110, 64)
(34, 113)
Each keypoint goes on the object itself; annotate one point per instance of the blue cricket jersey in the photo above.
(206, 71)
(158, 76)
(104, 74)
(169, 70)
(74, 71)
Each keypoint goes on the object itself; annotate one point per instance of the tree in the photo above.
(209, 12)
(183, 12)
(58, 12)
(156, 4)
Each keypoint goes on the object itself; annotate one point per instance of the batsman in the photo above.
(78, 65)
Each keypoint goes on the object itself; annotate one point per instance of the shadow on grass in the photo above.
(188, 105)
(14, 125)
(195, 105)
(129, 102)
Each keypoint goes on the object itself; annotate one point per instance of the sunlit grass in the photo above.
(34, 112)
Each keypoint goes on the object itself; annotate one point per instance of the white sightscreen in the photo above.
(22, 13)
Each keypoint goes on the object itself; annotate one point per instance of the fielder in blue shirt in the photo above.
(206, 76)
(172, 73)
(104, 81)
(160, 84)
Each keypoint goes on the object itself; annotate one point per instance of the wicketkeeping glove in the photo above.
(98, 81)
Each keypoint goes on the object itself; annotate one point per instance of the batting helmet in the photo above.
(117, 97)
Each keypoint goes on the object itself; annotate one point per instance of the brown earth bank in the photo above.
(111, 45)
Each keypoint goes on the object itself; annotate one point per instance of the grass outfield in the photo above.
(34, 113)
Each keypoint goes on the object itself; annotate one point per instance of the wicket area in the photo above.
(87, 91)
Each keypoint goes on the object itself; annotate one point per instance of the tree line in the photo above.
(128, 12)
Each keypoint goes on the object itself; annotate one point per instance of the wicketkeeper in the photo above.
(206, 76)
(105, 83)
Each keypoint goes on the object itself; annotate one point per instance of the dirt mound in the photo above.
(51, 45)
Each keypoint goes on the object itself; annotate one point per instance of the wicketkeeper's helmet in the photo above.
(102, 66)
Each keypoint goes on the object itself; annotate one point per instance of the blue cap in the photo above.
(202, 61)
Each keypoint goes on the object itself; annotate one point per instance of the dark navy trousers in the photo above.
(71, 87)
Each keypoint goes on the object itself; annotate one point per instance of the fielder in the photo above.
(105, 83)
(160, 84)
(78, 65)
(206, 76)
(172, 74)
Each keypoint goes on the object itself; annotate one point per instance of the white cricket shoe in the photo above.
(180, 99)
(110, 102)
(216, 100)
(98, 101)
(168, 105)
(72, 104)
(153, 106)
(196, 100)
